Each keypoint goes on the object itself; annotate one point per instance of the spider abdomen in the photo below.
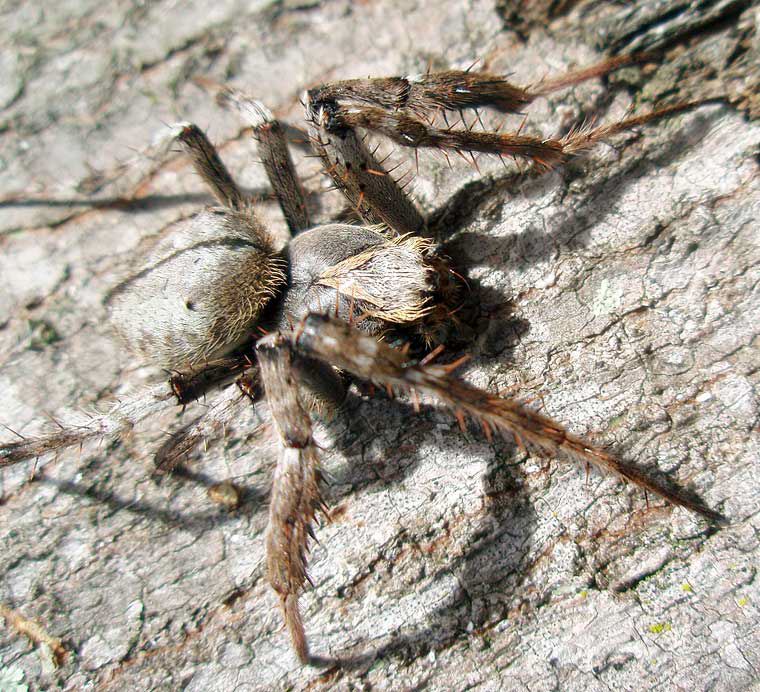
(200, 291)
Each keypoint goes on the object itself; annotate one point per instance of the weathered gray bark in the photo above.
(619, 294)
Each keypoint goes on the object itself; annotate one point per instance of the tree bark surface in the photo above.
(618, 294)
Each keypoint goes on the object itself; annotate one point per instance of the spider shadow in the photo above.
(492, 560)
(132, 205)
(566, 227)
(490, 567)
(250, 497)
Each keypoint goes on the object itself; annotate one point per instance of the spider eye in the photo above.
(190, 305)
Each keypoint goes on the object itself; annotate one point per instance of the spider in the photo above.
(216, 303)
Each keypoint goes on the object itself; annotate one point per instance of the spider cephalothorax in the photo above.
(325, 301)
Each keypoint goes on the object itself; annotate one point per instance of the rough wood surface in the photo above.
(619, 294)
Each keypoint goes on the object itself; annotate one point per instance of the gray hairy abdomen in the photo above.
(195, 298)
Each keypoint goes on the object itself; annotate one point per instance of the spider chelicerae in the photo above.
(216, 303)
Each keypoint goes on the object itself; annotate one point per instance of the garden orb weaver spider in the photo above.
(326, 302)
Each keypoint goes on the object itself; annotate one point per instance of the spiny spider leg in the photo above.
(76, 429)
(455, 90)
(208, 165)
(274, 154)
(402, 109)
(372, 191)
(190, 385)
(408, 130)
(345, 347)
(296, 495)
(226, 409)
(428, 93)
(273, 151)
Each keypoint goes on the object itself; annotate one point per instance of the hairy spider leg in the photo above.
(76, 428)
(345, 347)
(369, 188)
(225, 409)
(275, 156)
(408, 130)
(273, 151)
(209, 165)
(296, 495)
(403, 108)
(456, 90)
